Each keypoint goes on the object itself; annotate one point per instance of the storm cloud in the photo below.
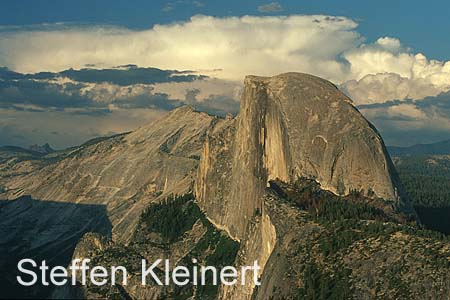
(71, 106)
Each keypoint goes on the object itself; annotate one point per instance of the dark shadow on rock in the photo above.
(42, 230)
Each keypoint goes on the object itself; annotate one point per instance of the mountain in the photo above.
(19, 161)
(290, 126)
(45, 149)
(439, 148)
(14, 151)
(123, 172)
(118, 176)
(299, 181)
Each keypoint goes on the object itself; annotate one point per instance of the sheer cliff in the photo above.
(299, 181)
(290, 126)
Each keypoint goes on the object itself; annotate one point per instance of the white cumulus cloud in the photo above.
(385, 70)
(327, 46)
(237, 45)
(382, 87)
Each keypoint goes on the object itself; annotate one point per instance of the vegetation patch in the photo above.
(324, 206)
(361, 245)
(321, 285)
(171, 218)
(426, 178)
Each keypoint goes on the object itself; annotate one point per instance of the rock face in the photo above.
(102, 186)
(289, 126)
(123, 173)
(44, 149)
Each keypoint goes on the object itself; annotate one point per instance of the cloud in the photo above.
(205, 88)
(212, 95)
(215, 104)
(129, 74)
(272, 7)
(89, 91)
(386, 70)
(382, 87)
(236, 45)
(392, 84)
(327, 46)
(411, 121)
(72, 106)
(42, 94)
(120, 75)
(198, 4)
(170, 6)
(63, 129)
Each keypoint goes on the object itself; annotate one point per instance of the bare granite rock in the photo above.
(102, 186)
(290, 126)
(124, 173)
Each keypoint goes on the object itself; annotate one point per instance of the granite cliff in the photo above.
(299, 181)
(103, 186)
(124, 173)
(290, 126)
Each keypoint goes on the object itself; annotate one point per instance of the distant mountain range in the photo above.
(31, 150)
(439, 148)
(44, 149)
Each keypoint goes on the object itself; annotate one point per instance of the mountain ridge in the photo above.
(299, 181)
(437, 148)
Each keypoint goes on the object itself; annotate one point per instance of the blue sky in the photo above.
(422, 25)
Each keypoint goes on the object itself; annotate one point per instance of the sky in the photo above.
(74, 70)
(421, 24)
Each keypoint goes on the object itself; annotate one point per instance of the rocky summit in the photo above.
(292, 125)
(299, 181)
